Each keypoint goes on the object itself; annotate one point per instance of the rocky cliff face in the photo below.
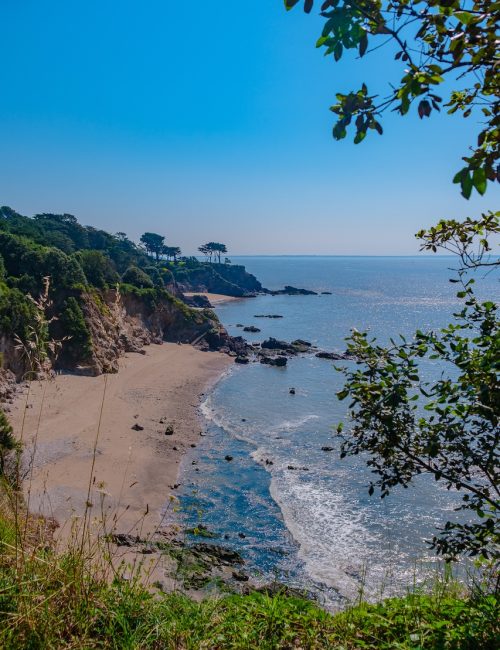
(96, 328)
(230, 280)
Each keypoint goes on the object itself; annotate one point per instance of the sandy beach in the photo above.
(214, 298)
(125, 418)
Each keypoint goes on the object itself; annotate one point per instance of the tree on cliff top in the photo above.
(153, 243)
(403, 425)
(213, 250)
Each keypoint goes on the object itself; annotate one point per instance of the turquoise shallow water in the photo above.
(316, 527)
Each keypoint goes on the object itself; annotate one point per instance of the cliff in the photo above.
(229, 280)
(88, 330)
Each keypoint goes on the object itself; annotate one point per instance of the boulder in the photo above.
(251, 328)
(333, 356)
(279, 362)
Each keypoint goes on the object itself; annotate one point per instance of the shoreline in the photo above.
(125, 417)
(214, 298)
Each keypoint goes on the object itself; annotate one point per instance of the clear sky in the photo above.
(209, 121)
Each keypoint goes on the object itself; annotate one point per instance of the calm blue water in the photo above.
(316, 527)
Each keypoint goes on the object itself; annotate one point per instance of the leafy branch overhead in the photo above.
(436, 41)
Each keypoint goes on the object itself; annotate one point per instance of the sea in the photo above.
(297, 514)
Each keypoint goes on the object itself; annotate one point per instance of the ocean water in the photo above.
(315, 526)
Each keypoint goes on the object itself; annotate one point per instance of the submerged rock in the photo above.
(251, 328)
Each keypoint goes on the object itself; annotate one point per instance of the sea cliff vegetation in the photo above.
(97, 294)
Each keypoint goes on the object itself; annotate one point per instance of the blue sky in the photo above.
(207, 121)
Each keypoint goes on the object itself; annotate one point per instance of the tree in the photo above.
(213, 250)
(435, 41)
(171, 252)
(448, 428)
(403, 425)
(98, 268)
(153, 244)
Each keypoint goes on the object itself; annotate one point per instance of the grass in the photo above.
(65, 601)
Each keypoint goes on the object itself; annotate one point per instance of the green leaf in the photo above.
(479, 180)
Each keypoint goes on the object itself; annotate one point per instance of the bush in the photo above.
(74, 325)
(155, 275)
(7, 441)
(134, 276)
(17, 313)
(98, 268)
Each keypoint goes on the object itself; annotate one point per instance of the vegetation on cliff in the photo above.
(98, 283)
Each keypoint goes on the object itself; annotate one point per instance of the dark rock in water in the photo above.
(279, 362)
(327, 448)
(169, 431)
(275, 344)
(219, 554)
(228, 458)
(242, 360)
(243, 419)
(301, 343)
(279, 589)
(292, 391)
(268, 316)
(241, 535)
(239, 325)
(292, 467)
(326, 293)
(251, 328)
(137, 427)
(333, 356)
(269, 462)
(293, 291)
(201, 531)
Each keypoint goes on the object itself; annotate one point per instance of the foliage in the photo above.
(7, 441)
(448, 428)
(50, 601)
(153, 243)
(213, 250)
(138, 278)
(155, 274)
(435, 41)
(171, 252)
(75, 328)
(17, 312)
(98, 268)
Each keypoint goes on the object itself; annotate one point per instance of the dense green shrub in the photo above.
(73, 325)
(17, 313)
(7, 441)
(137, 278)
(155, 274)
(98, 268)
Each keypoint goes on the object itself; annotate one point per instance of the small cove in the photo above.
(315, 526)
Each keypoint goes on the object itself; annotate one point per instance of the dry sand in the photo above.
(135, 471)
(214, 298)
